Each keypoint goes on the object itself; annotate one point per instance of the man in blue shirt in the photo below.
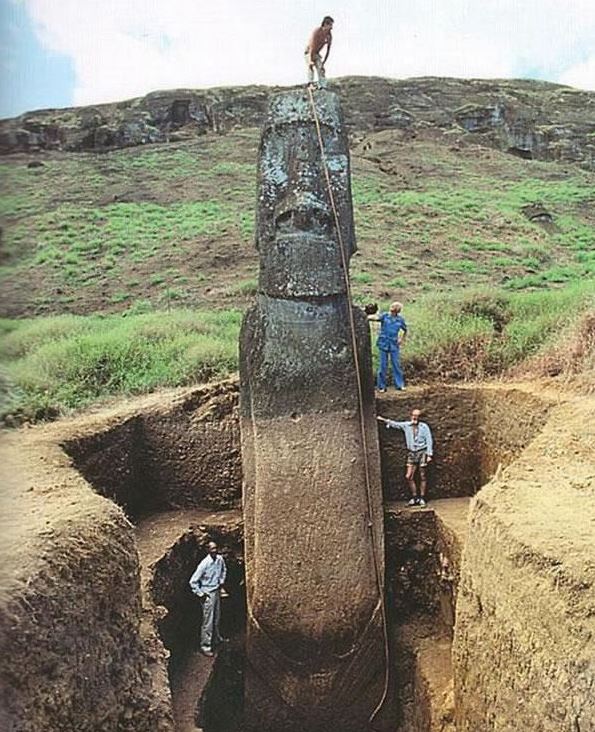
(420, 450)
(393, 330)
(206, 582)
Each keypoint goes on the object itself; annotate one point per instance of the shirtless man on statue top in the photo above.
(320, 37)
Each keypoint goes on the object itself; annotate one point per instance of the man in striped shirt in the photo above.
(420, 450)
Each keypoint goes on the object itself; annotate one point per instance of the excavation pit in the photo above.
(419, 596)
(173, 467)
(188, 456)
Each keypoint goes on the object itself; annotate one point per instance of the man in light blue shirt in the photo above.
(420, 450)
(206, 582)
(393, 330)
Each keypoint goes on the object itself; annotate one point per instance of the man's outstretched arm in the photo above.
(392, 423)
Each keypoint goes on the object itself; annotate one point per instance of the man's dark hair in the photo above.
(326, 19)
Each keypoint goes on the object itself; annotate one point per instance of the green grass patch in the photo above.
(554, 275)
(56, 364)
(245, 287)
(398, 282)
(461, 265)
(75, 242)
(477, 333)
(480, 245)
(53, 365)
(362, 278)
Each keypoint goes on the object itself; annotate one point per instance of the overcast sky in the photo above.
(73, 52)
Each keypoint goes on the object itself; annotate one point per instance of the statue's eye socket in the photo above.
(284, 218)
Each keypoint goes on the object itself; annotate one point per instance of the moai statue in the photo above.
(313, 523)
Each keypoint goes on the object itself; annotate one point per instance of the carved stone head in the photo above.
(296, 232)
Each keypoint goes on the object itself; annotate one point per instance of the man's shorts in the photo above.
(417, 457)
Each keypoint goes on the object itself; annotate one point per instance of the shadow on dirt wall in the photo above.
(188, 455)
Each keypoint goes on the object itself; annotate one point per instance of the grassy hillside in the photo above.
(52, 365)
(171, 225)
(146, 257)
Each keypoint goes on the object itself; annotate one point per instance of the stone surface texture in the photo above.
(315, 645)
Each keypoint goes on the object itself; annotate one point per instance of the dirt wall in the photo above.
(108, 460)
(185, 451)
(412, 563)
(474, 431)
(72, 657)
(509, 420)
(191, 451)
(422, 664)
(524, 645)
(182, 453)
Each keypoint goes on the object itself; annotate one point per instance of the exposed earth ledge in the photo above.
(524, 645)
(78, 654)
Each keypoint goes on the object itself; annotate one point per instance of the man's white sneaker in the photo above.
(421, 502)
(412, 502)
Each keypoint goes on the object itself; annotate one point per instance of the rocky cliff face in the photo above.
(531, 119)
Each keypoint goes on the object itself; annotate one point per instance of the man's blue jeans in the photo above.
(398, 379)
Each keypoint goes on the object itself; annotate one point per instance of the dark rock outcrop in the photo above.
(531, 119)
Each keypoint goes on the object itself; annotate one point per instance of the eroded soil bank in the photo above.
(524, 645)
(185, 453)
(72, 561)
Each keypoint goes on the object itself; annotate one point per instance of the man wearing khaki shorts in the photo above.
(420, 450)
(320, 37)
